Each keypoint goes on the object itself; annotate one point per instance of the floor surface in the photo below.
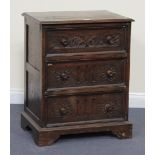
(84, 144)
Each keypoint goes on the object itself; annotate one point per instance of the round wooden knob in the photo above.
(49, 65)
(64, 76)
(110, 74)
(108, 107)
(63, 111)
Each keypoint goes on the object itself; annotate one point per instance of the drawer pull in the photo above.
(49, 65)
(108, 108)
(64, 77)
(111, 74)
(63, 111)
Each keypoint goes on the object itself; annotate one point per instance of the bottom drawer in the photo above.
(82, 108)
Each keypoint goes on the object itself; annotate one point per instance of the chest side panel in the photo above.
(33, 71)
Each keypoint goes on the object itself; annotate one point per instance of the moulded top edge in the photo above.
(63, 17)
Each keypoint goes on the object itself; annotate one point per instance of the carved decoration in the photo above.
(109, 106)
(109, 73)
(63, 76)
(62, 109)
(70, 74)
(79, 108)
(95, 41)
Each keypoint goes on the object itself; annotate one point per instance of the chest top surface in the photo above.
(64, 17)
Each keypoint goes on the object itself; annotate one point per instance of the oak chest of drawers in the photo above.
(76, 74)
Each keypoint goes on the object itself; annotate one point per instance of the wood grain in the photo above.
(77, 67)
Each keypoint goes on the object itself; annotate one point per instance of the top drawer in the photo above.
(84, 38)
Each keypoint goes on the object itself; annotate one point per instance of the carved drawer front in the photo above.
(85, 73)
(85, 108)
(85, 39)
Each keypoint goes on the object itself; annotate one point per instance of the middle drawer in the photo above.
(85, 73)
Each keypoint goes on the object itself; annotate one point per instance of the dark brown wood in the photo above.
(76, 74)
(87, 73)
(47, 136)
(80, 39)
(85, 108)
(61, 17)
(86, 90)
(102, 55)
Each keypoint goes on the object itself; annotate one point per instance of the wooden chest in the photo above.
(76, 74)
